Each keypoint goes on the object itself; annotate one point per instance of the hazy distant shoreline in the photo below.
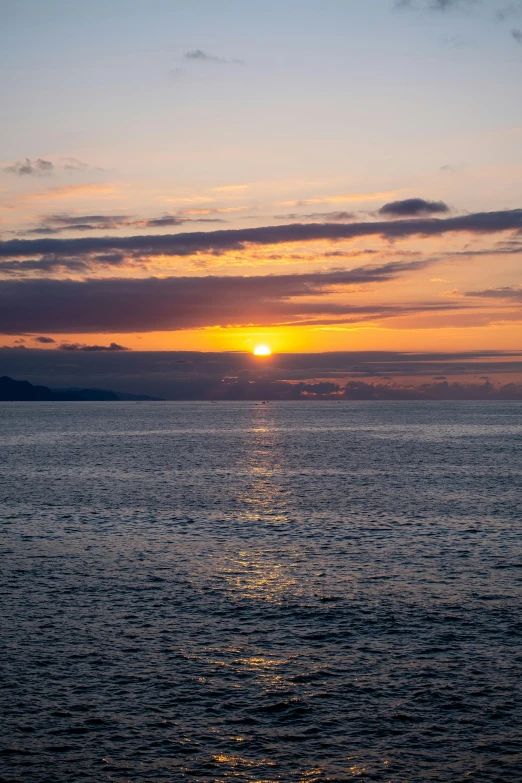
(271, 391)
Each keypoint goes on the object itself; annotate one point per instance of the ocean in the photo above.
(295, 592)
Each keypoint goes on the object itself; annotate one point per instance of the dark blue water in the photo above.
(294, 592)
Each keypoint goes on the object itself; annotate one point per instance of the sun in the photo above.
(262, 350)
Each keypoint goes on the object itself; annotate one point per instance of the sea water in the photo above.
(294, 592)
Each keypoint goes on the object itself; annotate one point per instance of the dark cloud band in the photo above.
(185, 244)
(155, 304)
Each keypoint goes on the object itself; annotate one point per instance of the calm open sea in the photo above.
(294, 592)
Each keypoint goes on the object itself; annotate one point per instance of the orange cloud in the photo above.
(59, 192)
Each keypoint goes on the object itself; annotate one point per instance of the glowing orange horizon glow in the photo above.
(262, 350)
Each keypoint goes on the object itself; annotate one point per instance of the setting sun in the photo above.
(262, 350)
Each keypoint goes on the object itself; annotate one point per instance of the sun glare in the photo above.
(262, 350)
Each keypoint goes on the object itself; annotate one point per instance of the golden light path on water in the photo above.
(258, 574)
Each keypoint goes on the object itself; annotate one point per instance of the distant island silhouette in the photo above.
(23, 391)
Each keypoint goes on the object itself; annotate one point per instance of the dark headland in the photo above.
(23, 391)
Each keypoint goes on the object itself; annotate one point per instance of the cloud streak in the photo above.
(307, 202)
(186, 244)
(507, 293)
(111, 348)
(504, 14)
(434, 5)
(40, 166)
(57, 224)
(327, 217)
(200, 56)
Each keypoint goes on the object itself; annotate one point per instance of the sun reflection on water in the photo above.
(256, 575)
(238, 766)
(263, 496)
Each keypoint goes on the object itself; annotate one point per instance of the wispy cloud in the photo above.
(176, 73)
(200, 56)
(28, 168)
(509, 11)
(324, 217)
(57, 224)
(339, 198)
(73, 164)
(40, 166)
(50, 263)
(214, 210)
(509, 293)
(503, 14)
(434, 5)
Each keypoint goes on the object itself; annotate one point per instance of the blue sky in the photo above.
(366, 92)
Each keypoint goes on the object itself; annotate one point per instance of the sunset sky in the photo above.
(343, 175)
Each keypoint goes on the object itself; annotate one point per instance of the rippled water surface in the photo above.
(294, 592)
